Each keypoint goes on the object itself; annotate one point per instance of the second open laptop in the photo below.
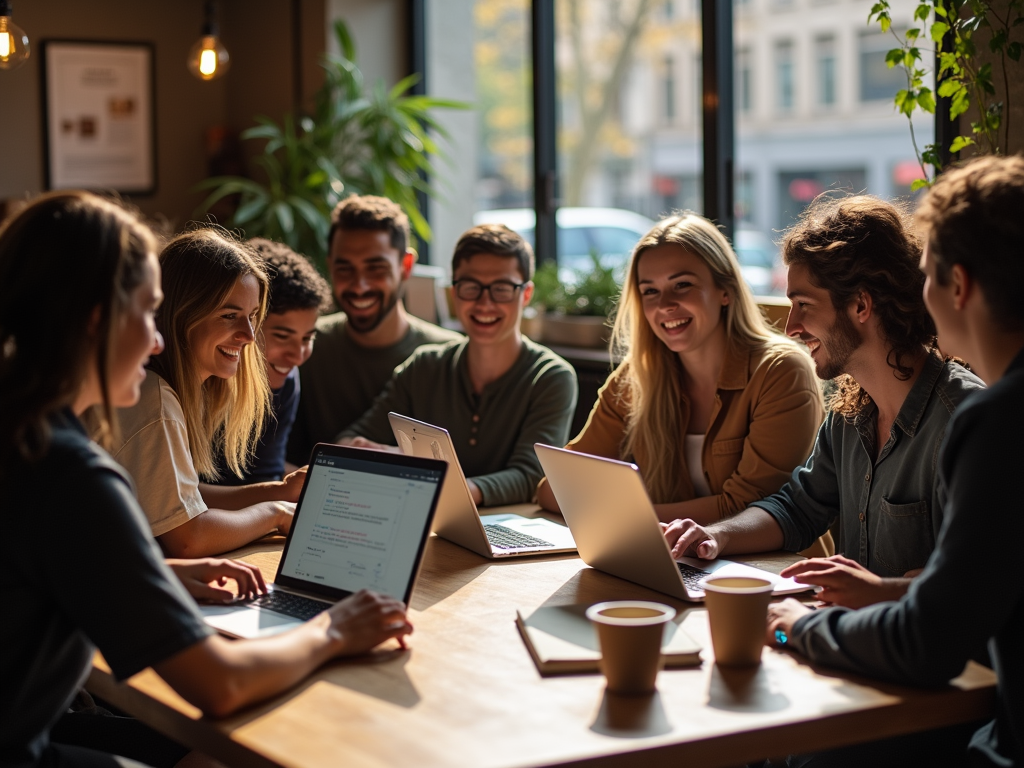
(361, 522)
(606, 505)
(457, 519)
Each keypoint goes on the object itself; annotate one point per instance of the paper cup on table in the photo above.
(737, 611)
(630, 635)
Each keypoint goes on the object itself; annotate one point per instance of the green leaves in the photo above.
(961, 77)
(357, 141)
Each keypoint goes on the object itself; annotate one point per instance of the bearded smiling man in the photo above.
(358, 348)
(856, 290)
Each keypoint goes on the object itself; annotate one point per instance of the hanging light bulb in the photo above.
(14, 48)
(208, 58)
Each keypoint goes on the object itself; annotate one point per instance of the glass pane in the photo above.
(478, 51)
(629, 94)
(814, 113)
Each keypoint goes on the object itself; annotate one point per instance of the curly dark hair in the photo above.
(373, 213)
(496, 239)
(862, 243)
(974, 217)
(294, 282)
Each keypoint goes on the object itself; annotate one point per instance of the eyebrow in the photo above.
(671, 277)
(289, 329)
(798, 295)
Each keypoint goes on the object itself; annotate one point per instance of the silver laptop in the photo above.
(606, 506)
(457, 517)
(361, 522)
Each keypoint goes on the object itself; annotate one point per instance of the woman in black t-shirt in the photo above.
(79, 286)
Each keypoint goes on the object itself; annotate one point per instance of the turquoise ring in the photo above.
(780, 637)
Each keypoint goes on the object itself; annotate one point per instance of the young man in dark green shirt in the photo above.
(495, 391)
(358, 348)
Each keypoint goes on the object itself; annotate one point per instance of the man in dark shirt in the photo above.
(359, 348)
(856, 290)
(971, 589)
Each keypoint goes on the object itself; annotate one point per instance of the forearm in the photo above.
(703, 511)
(509, 486)
(752, 530)
(236, 497)
(220, 676)
(546, 497)
(216, 531)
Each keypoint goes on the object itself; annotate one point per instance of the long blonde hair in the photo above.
(652, 374)
(199, 270)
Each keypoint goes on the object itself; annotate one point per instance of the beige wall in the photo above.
(256, 33)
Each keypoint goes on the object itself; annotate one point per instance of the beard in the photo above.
(386, 303)
(840, 343)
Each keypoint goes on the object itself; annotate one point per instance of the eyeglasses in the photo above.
(502, 291)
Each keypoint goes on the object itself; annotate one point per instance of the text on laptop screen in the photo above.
(360, 524)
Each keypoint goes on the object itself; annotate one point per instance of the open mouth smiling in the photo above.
(671, 325)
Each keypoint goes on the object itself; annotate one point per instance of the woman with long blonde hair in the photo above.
(713, 406)
(206, 393)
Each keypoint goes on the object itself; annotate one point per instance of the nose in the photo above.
(362, 283)
(245, 332)
(667, 300)
(793, 327)
(158, 343)
(485, 298)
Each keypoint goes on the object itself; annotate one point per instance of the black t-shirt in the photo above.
(78, 570)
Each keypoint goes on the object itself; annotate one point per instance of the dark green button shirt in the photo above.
(888, 507)
(493, 432)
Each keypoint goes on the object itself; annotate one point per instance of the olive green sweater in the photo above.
(493, 432)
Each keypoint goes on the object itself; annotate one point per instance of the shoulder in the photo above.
(955, 384)
(432, 357)
(543, 362)
(330, 326)
(781, 359)
(422, 332)
(157, 402)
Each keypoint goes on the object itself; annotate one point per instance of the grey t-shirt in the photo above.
(888, 508)
(341, 379)
(78, 570)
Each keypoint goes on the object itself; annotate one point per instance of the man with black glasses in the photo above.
(496, 392)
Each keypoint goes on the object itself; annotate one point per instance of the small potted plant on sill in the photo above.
(575, 312)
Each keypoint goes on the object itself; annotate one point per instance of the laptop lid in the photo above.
(458, 520)
(361, 522)
(606, 506)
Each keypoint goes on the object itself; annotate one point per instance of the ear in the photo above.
(408, 259)
(94, 320)
(725, 297)
(527, 293)
(963, 286)
(862, 307)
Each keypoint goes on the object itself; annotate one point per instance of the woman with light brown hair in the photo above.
(713, 406)
(207, 392)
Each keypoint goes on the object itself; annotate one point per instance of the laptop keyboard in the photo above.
(505, 538)
(296, 606)
(692, 577)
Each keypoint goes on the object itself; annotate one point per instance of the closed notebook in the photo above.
(562, 640)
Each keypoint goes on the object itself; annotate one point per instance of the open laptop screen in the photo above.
(361, 522)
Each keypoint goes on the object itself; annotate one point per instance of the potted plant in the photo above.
(576, 311)
(358, 141)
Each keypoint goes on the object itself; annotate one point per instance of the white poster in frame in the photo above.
(98, 115)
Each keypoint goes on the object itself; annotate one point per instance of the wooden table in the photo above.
(468, 694)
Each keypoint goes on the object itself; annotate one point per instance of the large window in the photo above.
(629, 116)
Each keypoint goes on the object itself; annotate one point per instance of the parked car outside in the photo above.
(612, 233)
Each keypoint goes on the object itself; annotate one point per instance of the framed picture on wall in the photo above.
(99, 116)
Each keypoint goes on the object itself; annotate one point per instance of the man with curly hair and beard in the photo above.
(856, 290)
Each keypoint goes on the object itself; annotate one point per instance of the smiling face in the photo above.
(680, 299)
(830, 335)
(136, 338)
(485, 320)
(366, 274)
(287, 342)
(218, 340)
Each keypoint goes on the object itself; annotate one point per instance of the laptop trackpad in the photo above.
(241, 621)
